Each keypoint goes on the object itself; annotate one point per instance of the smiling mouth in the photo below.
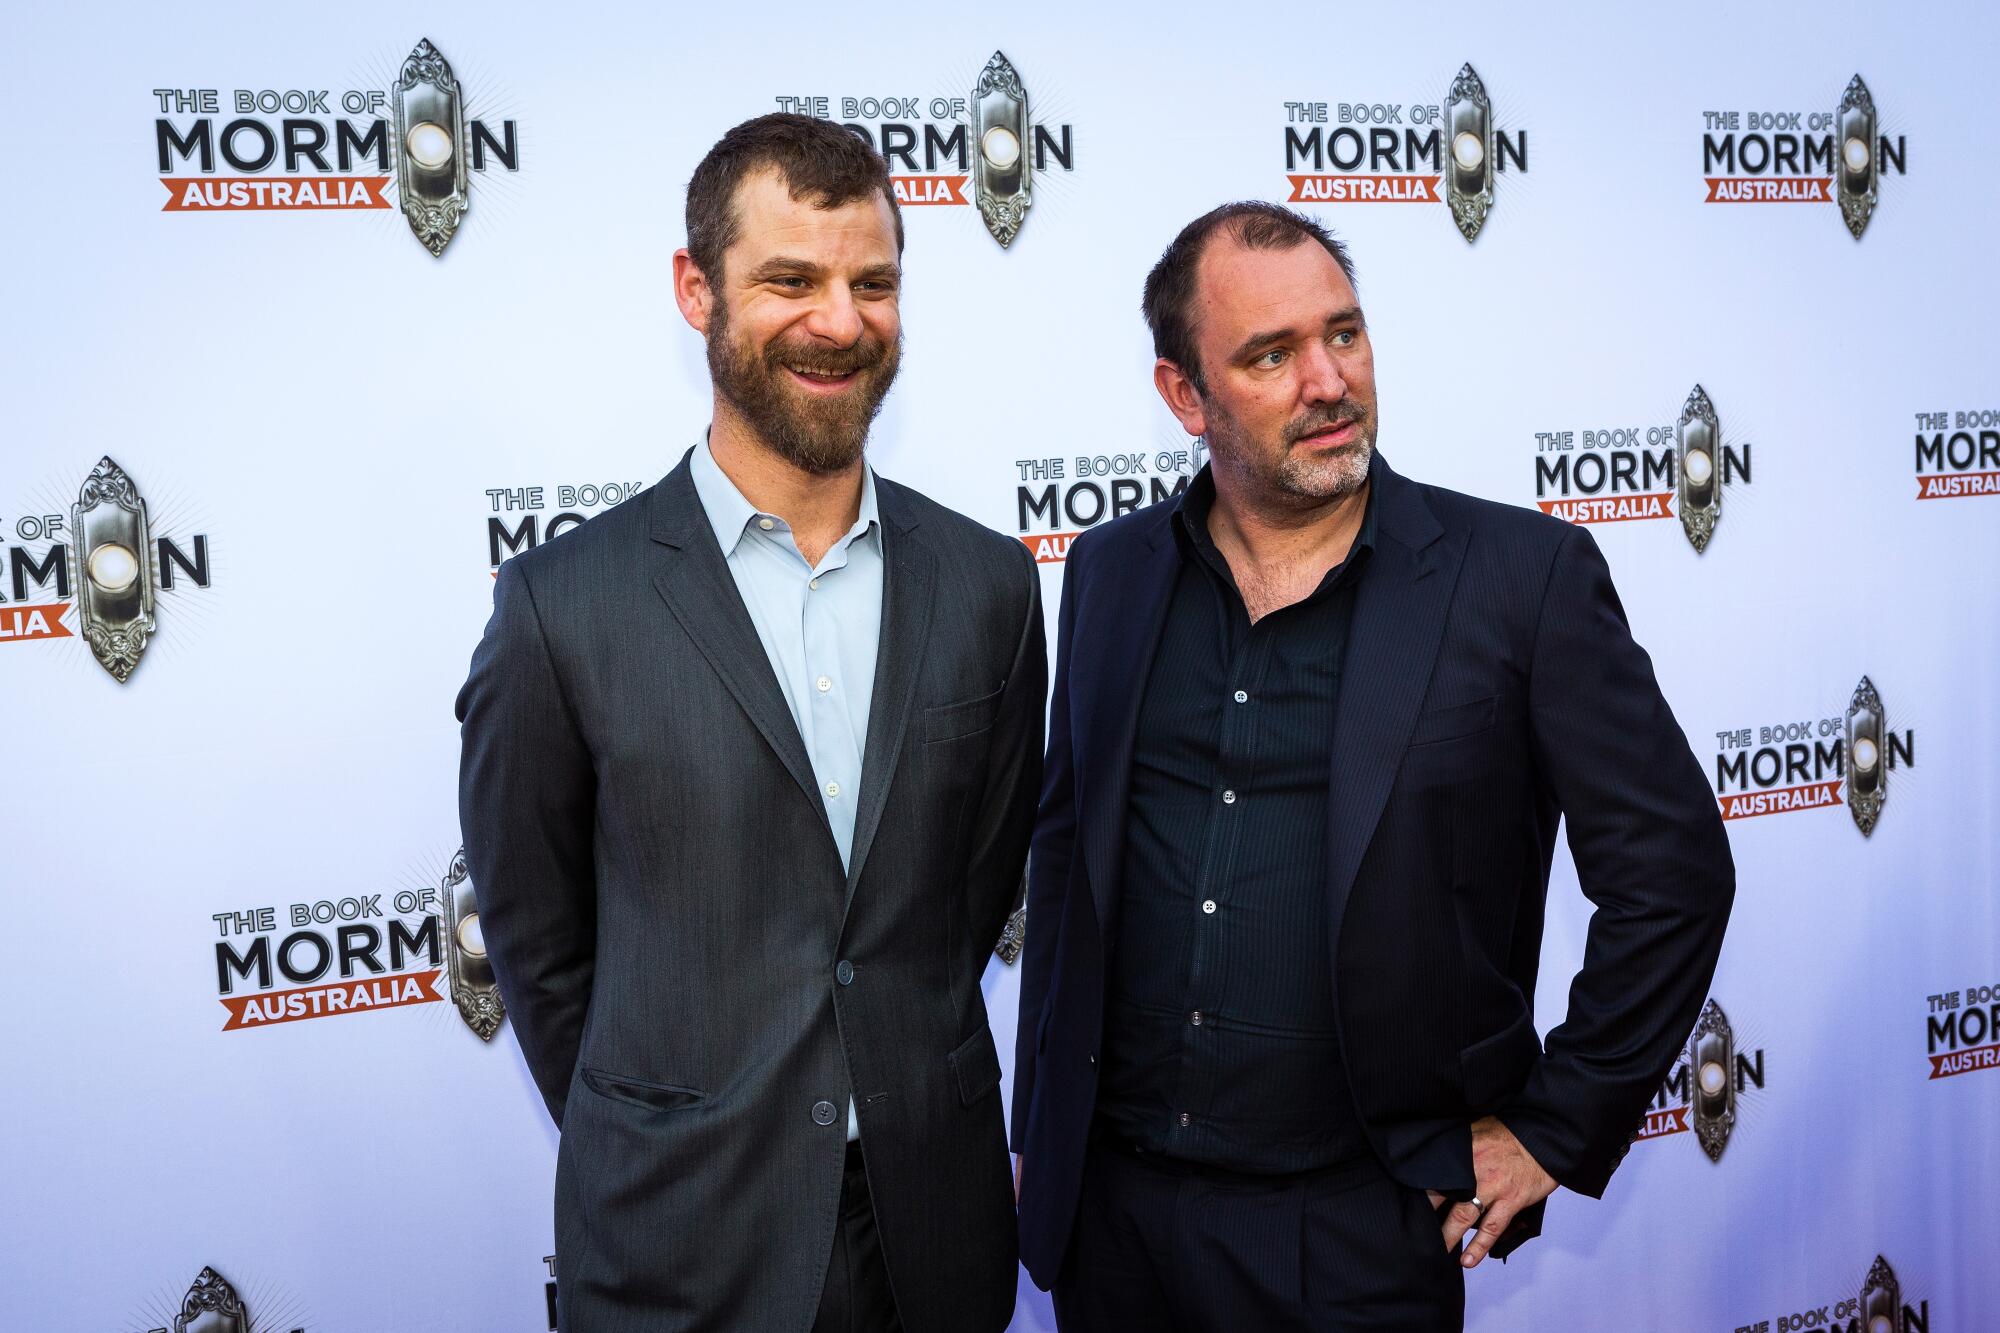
(822, 378)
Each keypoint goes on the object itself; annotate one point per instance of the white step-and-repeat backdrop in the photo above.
(283, 383)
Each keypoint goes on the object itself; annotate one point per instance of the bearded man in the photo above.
(1314, 726)
(748, 776)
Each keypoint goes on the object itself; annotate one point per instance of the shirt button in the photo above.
(1195, 1018)
(823, 1113)
(1208, 907)
(824, 684)
(833, 789)
(766, 524)
(1242, 697)
(1229, 798)
(843, 972)
(1186, 1119)
(814, 584)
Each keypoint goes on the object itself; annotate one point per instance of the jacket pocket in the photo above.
(642, 1092)
(948, 722)
(1457, 720)
(977, 1065)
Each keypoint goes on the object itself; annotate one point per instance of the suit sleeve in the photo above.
(1013, 771)
(526, 807)
(1048, 865)
(1651, 856)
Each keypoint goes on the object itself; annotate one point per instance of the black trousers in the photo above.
(856, 1298)
(1161, 1245)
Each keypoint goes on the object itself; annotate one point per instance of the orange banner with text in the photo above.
(1951, 485)
(1609, 508)
(1365, 189)
(265, 193)
(1758, 190)
(20, 623)
(340, 997)
(1964, 1062)
(916, 190)
(1813, 795)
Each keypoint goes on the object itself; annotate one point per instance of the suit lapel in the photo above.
(908, 571)
(694, 581)
(1400, 608)
(1133, 601)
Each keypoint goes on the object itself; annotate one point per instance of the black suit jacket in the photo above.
(664, 906)
(1491, 687)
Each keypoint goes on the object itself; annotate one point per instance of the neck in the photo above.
(814, 505)
(1276, 532)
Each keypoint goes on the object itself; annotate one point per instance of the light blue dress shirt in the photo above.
(821, 626)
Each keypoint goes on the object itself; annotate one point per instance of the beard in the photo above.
(821, 435)
(1285, 472)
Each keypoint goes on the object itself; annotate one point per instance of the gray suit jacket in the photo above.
(665, 909)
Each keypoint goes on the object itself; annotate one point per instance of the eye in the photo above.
(1272, 359)
(791, 282)
(1346, 338)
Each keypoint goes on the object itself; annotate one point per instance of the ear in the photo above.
(1180, 396)
(691, 292)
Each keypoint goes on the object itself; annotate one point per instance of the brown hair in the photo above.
(1253, 224)
(817, 159)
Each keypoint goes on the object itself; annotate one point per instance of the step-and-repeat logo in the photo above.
(1803, 157)
(1057, 499)
(1958, 454)
(320, 148)
(355, 955)
(1701, 1095)
(1881, 1306)
(981, 148)
(1794, 766)
(520, 518)
(1623, 473)
(1962, 1030)
(1447, 151)
(99, 571)
(212, 1304)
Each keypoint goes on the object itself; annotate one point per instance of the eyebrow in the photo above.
(780, 265)
(1256, 343)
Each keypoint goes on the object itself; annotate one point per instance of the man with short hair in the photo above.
(1313, 729)
(749, 771)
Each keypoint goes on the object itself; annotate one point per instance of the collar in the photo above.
(730, 514)
(1191, 511)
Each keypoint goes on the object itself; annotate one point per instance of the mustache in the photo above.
(866, 354)
(1319, 419)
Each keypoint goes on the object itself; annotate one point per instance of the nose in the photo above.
(1320, 380)
(834, 317)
